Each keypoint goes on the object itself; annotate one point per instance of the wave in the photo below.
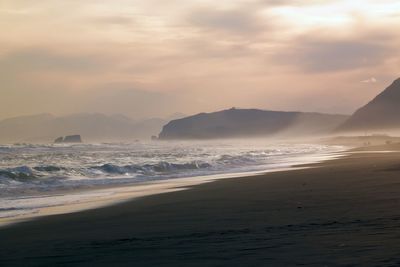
(216, 163)
(43, 171)
(18, 173)
(49, 165)
(236, 159)
(160, 168)
(48, 168)
(27, 173)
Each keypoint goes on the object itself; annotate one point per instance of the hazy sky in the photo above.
(149, 58)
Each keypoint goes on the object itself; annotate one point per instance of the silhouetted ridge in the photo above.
(379, 114)
(250, 123)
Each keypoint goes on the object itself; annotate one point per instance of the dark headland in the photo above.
(380, 115)
(237, 123)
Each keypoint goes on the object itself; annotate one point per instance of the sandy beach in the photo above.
(343, 212)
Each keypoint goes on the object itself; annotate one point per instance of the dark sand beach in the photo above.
(344, 212)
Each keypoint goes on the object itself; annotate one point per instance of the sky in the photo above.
(152, 58)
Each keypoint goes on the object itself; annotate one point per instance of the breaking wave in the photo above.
(26, 168)
(151, 169)
(35, 176)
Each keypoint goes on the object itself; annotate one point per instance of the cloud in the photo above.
(114, 20)
(15, 11)
(264, 53)
(242, 21)
(276, 2)
(315, 54)
(41, 59)
(125, 99)
(370, 80)
(272, 3)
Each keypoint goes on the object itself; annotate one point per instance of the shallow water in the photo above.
(32, 176)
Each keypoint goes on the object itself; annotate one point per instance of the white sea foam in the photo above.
(31, 176)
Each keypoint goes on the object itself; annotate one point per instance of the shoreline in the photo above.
(341, 212)
(114, 194)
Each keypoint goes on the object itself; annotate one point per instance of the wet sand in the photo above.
(344, 212)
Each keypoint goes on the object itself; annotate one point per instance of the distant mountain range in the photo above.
(381, 114)
(236, 123)
(92, 127)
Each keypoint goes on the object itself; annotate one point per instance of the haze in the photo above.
(154, 57)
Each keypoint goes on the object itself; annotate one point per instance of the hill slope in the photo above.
(382, 113)
(235, 123)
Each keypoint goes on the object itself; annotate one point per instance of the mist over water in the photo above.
(35, 170)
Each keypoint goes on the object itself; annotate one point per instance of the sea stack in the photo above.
(69, 139)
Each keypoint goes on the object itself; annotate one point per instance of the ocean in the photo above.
(39, 176)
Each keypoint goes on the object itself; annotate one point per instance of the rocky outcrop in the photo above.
(59, 140)
(93, 127)
(69, 139)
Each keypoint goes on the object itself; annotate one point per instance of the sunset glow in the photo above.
(260, 53)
